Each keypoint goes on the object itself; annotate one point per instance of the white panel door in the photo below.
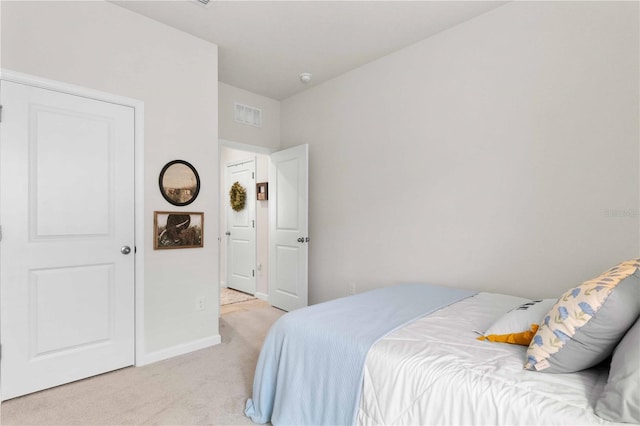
(67, 213)
(241, 229)
(288, 233)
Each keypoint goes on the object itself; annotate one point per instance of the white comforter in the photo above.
(434, 371)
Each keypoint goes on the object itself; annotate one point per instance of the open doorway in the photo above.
(244, 232)
(280, 219)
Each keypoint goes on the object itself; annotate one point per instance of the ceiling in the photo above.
(265, 45)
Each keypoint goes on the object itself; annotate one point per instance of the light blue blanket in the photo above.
(311, 365)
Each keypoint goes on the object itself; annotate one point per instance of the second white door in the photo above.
(241, 229)
(288, 231)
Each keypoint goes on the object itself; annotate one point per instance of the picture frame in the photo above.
(176, 230)
(179, 183)
(262, 191)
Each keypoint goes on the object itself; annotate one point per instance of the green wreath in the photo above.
(237, 196)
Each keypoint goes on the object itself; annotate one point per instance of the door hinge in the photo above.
(253, 223)
(253, 272)
(0, 113)
(253, 175)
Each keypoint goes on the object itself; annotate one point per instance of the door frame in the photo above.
(139, 221)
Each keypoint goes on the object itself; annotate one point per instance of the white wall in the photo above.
(489, 156)
(267, 136)
(102, 46)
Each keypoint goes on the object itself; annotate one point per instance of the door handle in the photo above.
(125, 249)
(301, 240)
(227, 233)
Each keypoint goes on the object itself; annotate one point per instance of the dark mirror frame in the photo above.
(164, 191)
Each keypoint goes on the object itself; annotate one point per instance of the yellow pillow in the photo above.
(523, 338)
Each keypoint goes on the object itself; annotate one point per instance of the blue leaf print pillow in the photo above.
(587, 322)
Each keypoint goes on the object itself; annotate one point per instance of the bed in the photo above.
(427, 367)
(434, 371)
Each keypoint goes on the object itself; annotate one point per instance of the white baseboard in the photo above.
(223, 284)
(262, 296)
(182, 349)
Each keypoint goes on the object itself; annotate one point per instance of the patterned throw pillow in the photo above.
(587, 322)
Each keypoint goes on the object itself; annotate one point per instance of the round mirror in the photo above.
(179, 183)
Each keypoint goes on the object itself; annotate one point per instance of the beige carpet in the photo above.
(207, 387)
(229, 296)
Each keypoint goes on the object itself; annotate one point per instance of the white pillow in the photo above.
(519, 319)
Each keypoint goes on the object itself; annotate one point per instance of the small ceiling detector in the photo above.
(305, 77)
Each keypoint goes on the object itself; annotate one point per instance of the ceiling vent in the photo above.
(248, 115)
